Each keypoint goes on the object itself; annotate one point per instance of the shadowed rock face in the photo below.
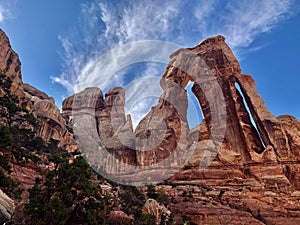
(32, 93)
(10, 65)
(52, 124)
(241, 139)
(39, 103)
(164, 129)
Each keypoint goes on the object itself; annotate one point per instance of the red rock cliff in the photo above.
(52, 123)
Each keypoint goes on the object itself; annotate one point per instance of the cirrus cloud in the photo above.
(6, 8)
(105, 25)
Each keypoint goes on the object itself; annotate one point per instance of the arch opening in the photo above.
(194, 112)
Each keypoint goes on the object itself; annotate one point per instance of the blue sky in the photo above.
(57, 41)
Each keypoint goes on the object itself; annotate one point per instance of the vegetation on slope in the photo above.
(66, 191)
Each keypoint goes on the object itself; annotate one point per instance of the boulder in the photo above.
(152, 207)
(7, 207)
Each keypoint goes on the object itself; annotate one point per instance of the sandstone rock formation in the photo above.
(10, 65)
(52, 123)
(218, 62)
(199, 213)
(102, 121)
(242, 139)
(33, 94)
(119, 217)
(256, 169)
(152, 207)
(291, 126)
(106, 118)
(163, 133)
(7, 207)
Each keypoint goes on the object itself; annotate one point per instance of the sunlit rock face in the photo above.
(103, 116)
(7, 207)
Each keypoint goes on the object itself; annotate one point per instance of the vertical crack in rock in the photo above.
(250, 116)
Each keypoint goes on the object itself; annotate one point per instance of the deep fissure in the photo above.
(238, 88)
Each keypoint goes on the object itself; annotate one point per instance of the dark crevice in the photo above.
(238, 88)
(203, 105)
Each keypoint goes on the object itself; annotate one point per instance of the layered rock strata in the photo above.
(52, 124)
(257, 167)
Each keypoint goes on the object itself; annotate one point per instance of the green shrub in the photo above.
(35, 158)
(151, 193)
(10, 187)
(4, 163)
(66, 196)
(6, 138)
(144, 219)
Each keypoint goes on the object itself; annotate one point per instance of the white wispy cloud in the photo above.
(203, 12)
(245, 20)
(143, 93)
(1, 14)
(139, 20)
(4, 13)
(106, 25)
(6, 8)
